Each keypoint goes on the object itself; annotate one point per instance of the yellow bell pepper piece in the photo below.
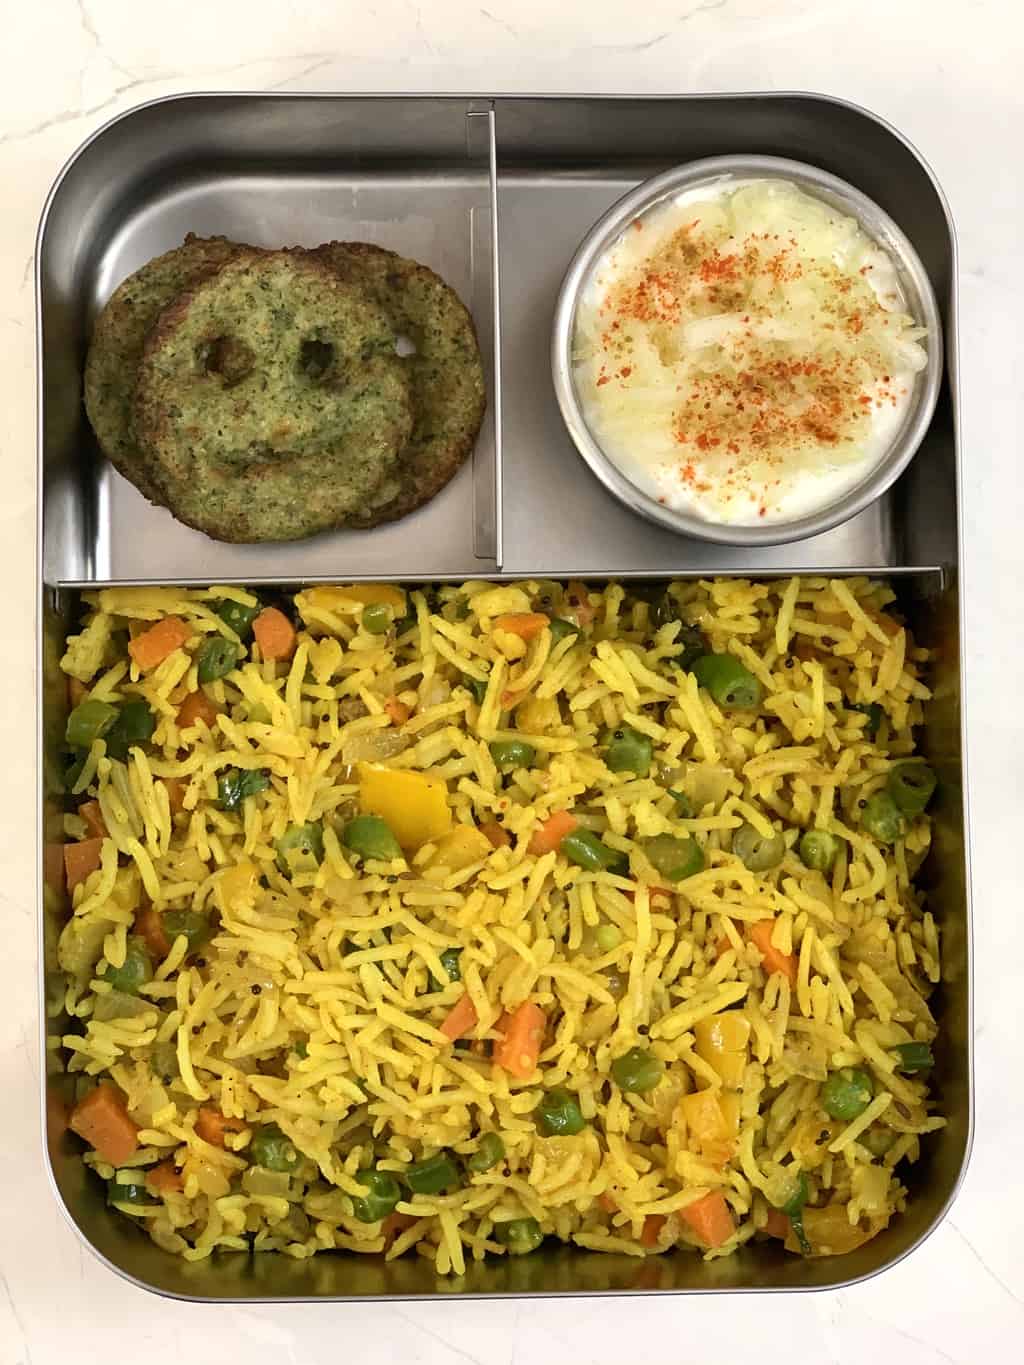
(330, 596)
(237, 886)
(414, 805)
(537, 715)
(811, 1139)
(831, 1233)
(722, 1042)
(460, 848)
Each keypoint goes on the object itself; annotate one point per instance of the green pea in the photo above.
(755, 852)
(216, 658)
(300, 849)
(874, 713)
(882, 818)
(560, 628)
(911, 786)
(236, 784)
(847, 1093)
(586, 850)
(130, 1191)
(676, 859)
(607, 937)
(793, 1208)
(194, 926)
(520, 1236)
(637, 1070)
(163, 1061)
(134, 973)
(818, 849)
(477, 688)
(490, 1150)
(914, 1057)
(133, 727)
(90, 720)
(238, 616)
(509, 754)
(382, 1194)
(684, 806)
(371, 837)
(877, 1140)
(558, 1114)
(273, 1150)
(376, 618)
(433, 1175)
(629, 751)
(729, 683)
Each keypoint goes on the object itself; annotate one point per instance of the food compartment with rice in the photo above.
(448, 920)
(453, 900)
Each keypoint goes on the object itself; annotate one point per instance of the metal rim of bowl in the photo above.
(875, 222)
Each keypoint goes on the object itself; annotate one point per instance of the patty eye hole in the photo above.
(316, 359)
(227, 357)
(405, 346)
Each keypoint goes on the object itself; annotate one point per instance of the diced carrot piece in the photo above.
(519, 1049)
(77, 692)
(653, 1224)
(549, 835)
(460, 1018)
(175, 789)
(578, 598)
(149, 925)
(397, 710)
(773, 961)
(722, 945)
(711, 1219)
(101, 1118)
(777, 1224)
(93, 817)
(607, 1203)
(274, 634)
(197, 706)
(53, 866)
(497, 835)
(525, 624)
(154, 645)
(165, 1179)
(212, 1126)
(80, 859)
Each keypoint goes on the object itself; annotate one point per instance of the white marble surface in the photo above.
(947, 72)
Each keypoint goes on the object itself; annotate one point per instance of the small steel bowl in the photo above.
(875, 222)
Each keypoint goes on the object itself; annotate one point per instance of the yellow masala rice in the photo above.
(444, 921)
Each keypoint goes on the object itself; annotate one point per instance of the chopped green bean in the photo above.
(911, 785)
(793, 1208)
(874, 713)
(728, 682)
(520, 1236)
(628, 751)
(300, 849)
(684, 806)
(90, 720)
(586, 850)
(432, 1175)
(194, 926)
(676, 859)
(477, 688)
(216, 658)
(371, 838)
(133, 727)
(238, 616)
(128, 1191)
(382, 1194)
(913, 1057)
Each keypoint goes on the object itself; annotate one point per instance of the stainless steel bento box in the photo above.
(485, 190)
